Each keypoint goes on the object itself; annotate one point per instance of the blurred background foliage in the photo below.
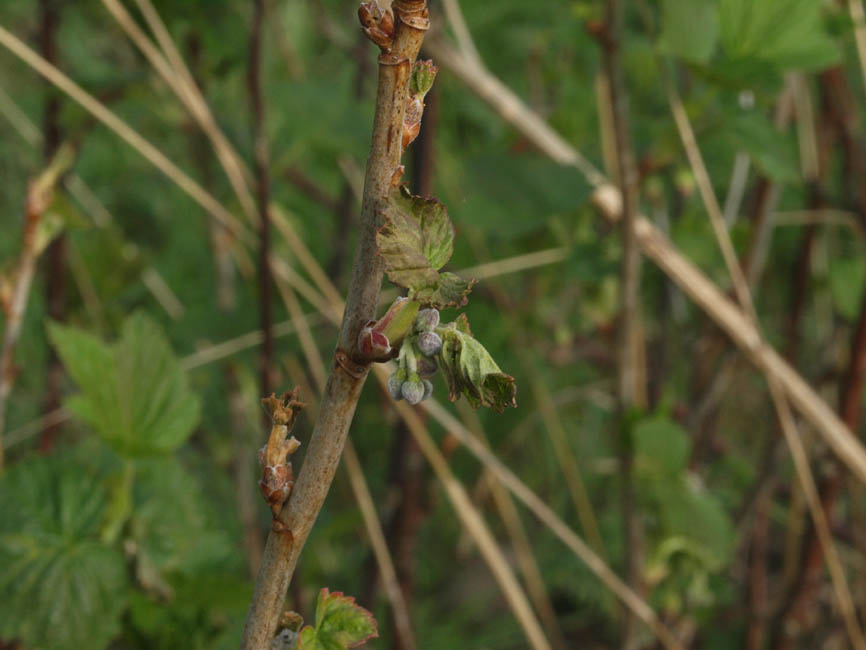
(128, 525)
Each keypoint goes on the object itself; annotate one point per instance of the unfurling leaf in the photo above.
(133, 392)
(471, 371)
(422, 78)
(451, 291)
(416, 241)
(340, 624)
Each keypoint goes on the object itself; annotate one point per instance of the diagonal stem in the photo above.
(347, 376)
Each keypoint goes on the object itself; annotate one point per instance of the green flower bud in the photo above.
(395, 384)
(429, 343)
(428, 389)
(423, 75)
(413, 389)
(427, 320)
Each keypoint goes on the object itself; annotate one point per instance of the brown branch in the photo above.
(14, 304)
(795, 615)
(263, 191)
(631, 379)
(55, 280)
(347, 375)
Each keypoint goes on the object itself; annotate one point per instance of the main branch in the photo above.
(348, 374)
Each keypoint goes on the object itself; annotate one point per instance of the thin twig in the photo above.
(124, 131)
(347, 377)
(523, 547)
(238, 174)
(39, 196)
(631, 374)
(263, 192)
(549, 518)
(780, 401)
(732, 320)
(670, 261)
(472, 520)
(855, 8)
(55, 278)
(512, 108)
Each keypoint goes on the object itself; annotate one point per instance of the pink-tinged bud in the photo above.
(413, 389)
(391, 329)
(373, 344)
(429, 343)
(427, 320)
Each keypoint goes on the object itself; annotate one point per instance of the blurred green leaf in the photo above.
(167, 523)
(61, 588)
(340, 624)
(773, 152)
(847, 283)
(660, 446)
(133, 392)
(690, 29)
(787, 34)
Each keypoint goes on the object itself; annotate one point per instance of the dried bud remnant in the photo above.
(277, 477)
(378, 26)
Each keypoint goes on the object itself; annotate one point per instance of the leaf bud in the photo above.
(373, 344)
(429, 343)
(423, 75)
(413, 389)
(427, 320)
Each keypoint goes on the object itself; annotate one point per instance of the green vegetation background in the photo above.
(127, 535)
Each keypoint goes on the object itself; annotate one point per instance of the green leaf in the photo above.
(167, 523)
(690, 29)
(661, 446)
(60, 587)
(471, 371)
(416, 240)
(451, 292)
(787, 34)
(133, 392)
(847, 282)
(773, 152)
(340, 624)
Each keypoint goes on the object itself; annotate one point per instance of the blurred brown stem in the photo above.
(55, 284)
(263, 190)
(632, 379)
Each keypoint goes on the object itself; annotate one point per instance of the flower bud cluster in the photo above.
(417, 360)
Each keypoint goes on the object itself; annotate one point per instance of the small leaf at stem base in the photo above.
(340, 623)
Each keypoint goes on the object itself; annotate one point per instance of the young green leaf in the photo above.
(61, 588)
(340, 624)
(471, 371)
(451, 291)
(133, 392)
(416, 241)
